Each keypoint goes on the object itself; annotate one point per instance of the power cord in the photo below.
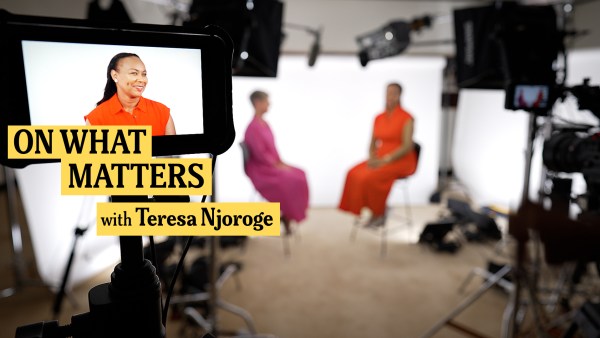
(181, 260)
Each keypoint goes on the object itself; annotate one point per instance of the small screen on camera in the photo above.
(527, 97)
(65, 81)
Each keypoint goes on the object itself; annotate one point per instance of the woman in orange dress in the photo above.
(391, 156)
(122, 102)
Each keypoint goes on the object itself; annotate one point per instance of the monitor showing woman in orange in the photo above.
(123, 103)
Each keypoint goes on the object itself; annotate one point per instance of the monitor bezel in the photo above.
(216, 54)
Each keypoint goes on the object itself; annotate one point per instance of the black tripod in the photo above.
(510, 322)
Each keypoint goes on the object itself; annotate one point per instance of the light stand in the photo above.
(79, 232)
(510, 322)
(63, 285)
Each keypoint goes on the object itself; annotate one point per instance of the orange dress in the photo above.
(146, 113)
(370, 187)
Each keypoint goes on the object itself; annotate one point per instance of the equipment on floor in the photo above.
(485, 226)
(474, 226)
(434, 235)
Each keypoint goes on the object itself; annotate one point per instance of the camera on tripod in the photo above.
(531, 49)
(570, 148)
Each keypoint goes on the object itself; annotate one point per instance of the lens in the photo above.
(562, 152)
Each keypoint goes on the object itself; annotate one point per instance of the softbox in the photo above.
(512, 43)
(254, 26)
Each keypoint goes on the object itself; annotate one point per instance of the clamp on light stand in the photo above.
(128, 306)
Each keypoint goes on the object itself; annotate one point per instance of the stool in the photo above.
(385, 229)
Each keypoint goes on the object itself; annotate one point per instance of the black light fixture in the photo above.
(254, 27)
(389, 40)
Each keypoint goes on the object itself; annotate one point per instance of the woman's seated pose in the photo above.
(391, 156)
(275, 180)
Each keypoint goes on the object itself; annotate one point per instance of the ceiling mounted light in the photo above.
(391, 39)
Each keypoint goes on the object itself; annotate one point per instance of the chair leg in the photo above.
(286, 246)
(384, 241)
(354, 230)
(286, 236)
(407, 204)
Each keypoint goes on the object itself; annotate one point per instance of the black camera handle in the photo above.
(128, 306)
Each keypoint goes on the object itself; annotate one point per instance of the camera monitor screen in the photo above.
(536, 98)
(59, 73)
(66, 80)
(531, 96)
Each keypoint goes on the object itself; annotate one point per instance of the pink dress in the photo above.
(285, 185)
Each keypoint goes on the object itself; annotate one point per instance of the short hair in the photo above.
(258, 95)
(397, 85)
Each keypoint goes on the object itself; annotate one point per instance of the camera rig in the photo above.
(130, 305)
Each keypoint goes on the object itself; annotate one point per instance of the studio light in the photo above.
(389, 40)
(253, 25)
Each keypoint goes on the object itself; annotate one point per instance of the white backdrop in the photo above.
(489, 146)
(322, 120)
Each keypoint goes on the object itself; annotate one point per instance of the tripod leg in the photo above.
(236, 310)
(61, 292)
(467, 301)
(15, 232)
(63, 285)
(198, 319)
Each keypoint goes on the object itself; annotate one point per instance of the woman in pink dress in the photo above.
(275, 180)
